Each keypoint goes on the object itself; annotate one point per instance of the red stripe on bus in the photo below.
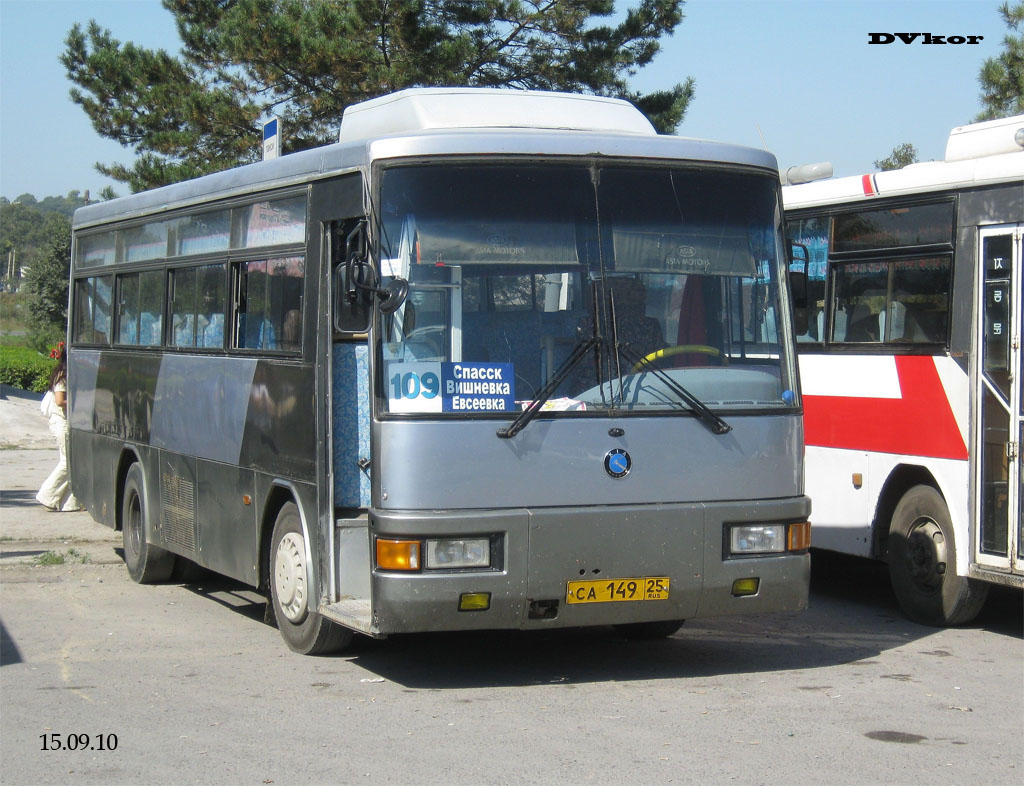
(920, 423)
(869, 186)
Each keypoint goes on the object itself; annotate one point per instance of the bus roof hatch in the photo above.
(990, 138)
(426, 108)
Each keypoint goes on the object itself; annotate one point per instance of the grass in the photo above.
(13, 312)
(60, 558)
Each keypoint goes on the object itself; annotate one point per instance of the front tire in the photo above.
(304, 631)
(146, 563)
(922, 563)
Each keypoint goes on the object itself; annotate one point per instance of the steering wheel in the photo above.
(681, 349)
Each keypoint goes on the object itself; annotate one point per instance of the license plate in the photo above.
(617, 590)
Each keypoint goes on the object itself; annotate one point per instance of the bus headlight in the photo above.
(459, 553)
(757, 538)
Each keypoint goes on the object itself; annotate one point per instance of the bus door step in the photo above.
(353, 613)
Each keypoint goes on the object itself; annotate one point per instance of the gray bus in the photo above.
(496, 359)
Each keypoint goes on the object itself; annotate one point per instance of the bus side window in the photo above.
(268, 304)
(183, 301)
(92, 310)
(903, 301)
(859, 302)
(127, 305)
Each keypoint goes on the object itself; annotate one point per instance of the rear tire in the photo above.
(304, 631)
(146, 563)
(922, 563)
(648, 631)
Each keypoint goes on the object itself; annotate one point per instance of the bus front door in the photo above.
(999, 541)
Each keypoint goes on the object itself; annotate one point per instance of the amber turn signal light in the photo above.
(799, 538)
(398, 554)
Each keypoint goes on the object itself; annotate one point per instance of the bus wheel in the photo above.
(303, 630)
(922, 563)
(146, 563)
(647, 631)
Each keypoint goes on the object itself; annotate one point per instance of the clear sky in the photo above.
(798, 73)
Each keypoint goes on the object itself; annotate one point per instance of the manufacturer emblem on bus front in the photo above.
(617, 463)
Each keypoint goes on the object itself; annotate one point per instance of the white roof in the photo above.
(430, 108)
(1005, 135)
(976, 155)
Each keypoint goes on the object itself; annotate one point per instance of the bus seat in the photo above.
(840, 321)
(267, 338)
(149, 329)
(127, 330)
(213, 335)
(510, 337)
(897, 314)
(183, 333)
(861, 325)
(908, 328)
(640, 332)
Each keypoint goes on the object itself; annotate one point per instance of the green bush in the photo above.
(26, 369)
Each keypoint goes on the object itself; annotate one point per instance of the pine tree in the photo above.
(901, 156)
(306, 60)
(1002, 77)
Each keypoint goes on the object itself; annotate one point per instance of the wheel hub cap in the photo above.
(290, 576)
(134, 525)
(926, 553)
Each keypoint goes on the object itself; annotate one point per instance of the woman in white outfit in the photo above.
(56, 491)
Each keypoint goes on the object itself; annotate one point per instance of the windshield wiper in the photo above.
(641, 363)
(578, 353)
(700, 409)
(595, 342)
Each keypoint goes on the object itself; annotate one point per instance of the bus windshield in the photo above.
(511, 266)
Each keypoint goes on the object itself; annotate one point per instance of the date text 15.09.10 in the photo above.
(54, 741)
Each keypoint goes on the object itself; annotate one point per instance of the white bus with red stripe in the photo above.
(909, 320)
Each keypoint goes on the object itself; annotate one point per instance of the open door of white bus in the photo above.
(998, 536)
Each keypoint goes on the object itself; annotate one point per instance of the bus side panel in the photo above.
(92, 464)
(961, 306)
(171, 490)
(111, 404)
(271, 492)
(228, 526)
(279, 435)
(992, 205)
(843, 511)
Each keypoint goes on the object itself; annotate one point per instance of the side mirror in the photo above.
(356, 284)
(799, 255)
(798, 290)
(799, 294)
(393, 295)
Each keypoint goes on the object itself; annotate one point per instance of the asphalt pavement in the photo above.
(29, 533)
(184, 683)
